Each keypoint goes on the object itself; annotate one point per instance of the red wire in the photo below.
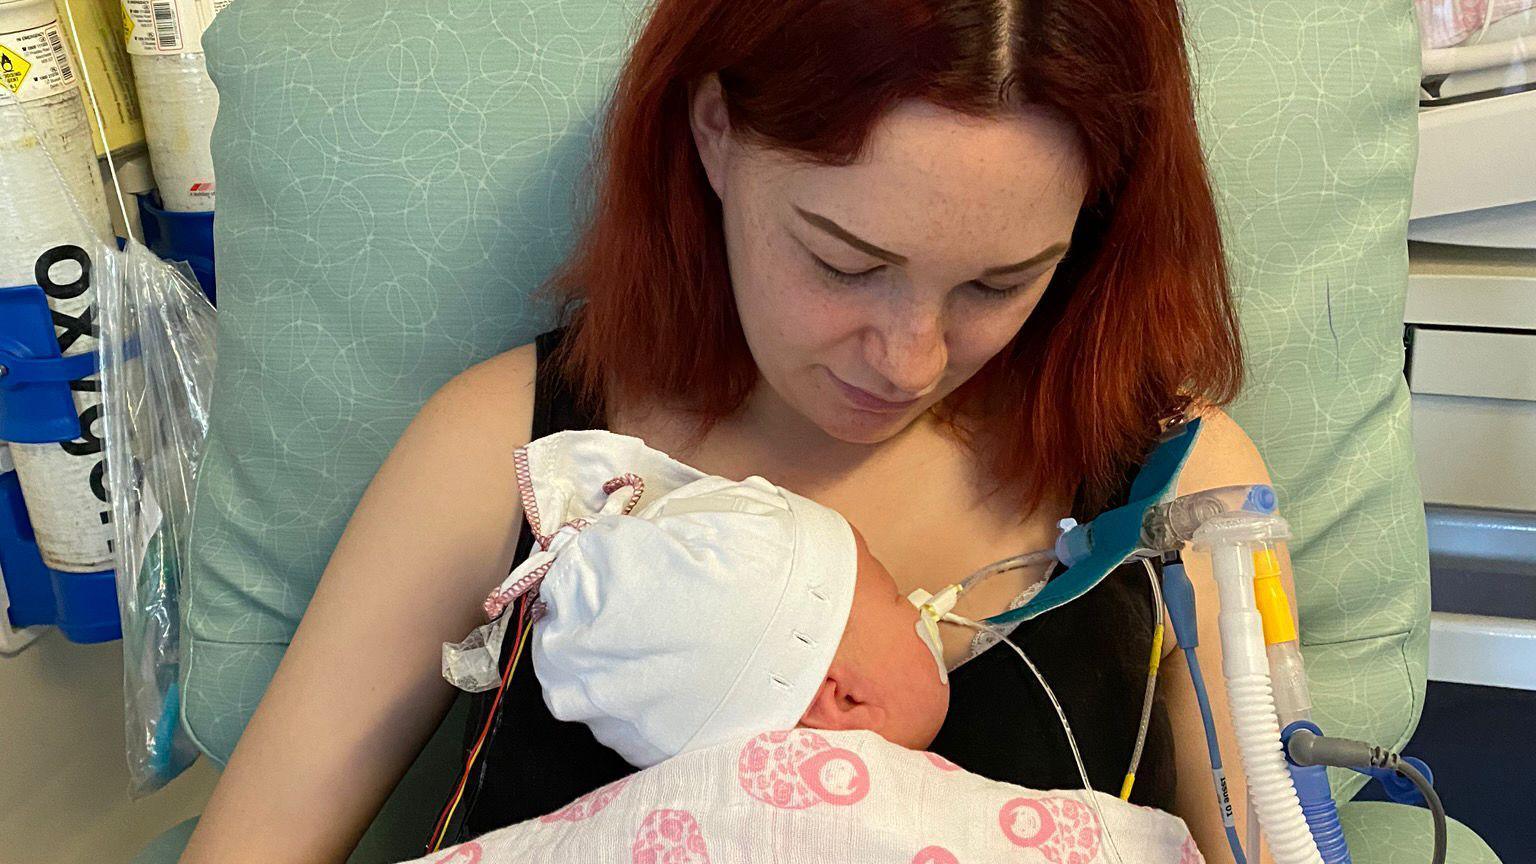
(440, 828)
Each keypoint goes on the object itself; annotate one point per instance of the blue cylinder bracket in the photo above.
(180, 237)
(82, 605)
(36, 405)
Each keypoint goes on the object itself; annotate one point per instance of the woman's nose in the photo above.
(910, 354)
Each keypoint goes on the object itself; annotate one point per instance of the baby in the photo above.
(742, 645)
(681, 610)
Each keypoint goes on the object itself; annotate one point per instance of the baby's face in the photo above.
(882, 643)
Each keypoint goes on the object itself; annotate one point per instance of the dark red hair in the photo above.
(1137, 324)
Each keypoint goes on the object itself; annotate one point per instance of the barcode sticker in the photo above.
(167, 38)
(167, 26)
(60, 56)
(34, 63)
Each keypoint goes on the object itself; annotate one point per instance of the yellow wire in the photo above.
(1152, 666)
(522, 640)
(1125, 788)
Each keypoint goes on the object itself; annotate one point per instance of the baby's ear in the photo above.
(842, 702)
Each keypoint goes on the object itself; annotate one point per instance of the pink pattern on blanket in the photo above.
(935, 855)
(669, 837)
(798, 769)
(469, 853)
(587, 805)
(1065, 830)
(940, 762)
(1189, 853)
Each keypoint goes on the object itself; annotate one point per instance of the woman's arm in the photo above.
(1223, 456)
(359, 691)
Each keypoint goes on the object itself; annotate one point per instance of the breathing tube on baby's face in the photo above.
(934, 608)
(1164, 528)
(931, 610)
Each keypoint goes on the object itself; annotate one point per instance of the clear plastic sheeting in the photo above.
(156, 343)
(157, 364)
(473, 665)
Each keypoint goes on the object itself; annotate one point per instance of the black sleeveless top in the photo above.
(1093, 652)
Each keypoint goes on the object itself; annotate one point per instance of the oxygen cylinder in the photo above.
(176, 96)
(53, 215)
(93, 29)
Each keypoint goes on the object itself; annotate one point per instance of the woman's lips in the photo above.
(866, 401)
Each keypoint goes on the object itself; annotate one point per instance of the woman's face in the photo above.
(869, 292)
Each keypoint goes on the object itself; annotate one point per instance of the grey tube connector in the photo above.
(1309, 748)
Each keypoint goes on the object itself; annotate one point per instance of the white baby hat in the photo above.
(712, 612)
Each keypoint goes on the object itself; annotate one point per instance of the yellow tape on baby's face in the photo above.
(931, 609)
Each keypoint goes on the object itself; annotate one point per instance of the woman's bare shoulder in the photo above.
(495, 395)
(1223, 455)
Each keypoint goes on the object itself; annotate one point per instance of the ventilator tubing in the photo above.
(1293, 701)
(1231, 539)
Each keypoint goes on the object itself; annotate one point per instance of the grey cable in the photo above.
(1308, 748)
(1431, 800)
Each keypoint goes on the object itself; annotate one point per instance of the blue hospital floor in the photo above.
(1478, 742)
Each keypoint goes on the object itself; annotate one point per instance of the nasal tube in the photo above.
(1231, 539)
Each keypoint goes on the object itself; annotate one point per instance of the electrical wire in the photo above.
(1180, 596)
(524, 626)
(1152, 667)
(1077, 756)
(1431, 800)
(1309, 748)
(1213, 750)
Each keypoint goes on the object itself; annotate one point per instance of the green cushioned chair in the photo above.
(394, 177)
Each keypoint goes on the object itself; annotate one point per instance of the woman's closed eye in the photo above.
(860, 276)
(844, 275)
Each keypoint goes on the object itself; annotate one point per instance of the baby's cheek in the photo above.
(911, 658)
(904, 648)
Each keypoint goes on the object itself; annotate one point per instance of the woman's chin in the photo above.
(853, 426)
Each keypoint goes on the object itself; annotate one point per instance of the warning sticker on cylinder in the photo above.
(167, 26)
(34, 63)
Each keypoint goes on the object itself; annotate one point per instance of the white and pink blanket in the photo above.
(803, 796)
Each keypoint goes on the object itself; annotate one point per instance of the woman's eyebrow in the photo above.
(849, 237)
(1052, 251)
(843, 234)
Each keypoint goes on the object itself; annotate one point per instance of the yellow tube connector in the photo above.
(1269, 592)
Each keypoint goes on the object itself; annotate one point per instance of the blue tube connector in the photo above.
(1317, 804)
(1322, 813)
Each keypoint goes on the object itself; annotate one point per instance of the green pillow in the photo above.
(1310, 121)
(394, 177)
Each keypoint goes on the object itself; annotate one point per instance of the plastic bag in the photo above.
(157, 362)
(156, 346)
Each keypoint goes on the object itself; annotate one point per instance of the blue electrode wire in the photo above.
(1179, 596)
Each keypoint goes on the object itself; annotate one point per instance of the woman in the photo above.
(947, 266)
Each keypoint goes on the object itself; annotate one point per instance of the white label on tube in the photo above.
(168, 26)
(34, 63)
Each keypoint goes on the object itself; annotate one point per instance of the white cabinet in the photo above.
(1471, 315)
